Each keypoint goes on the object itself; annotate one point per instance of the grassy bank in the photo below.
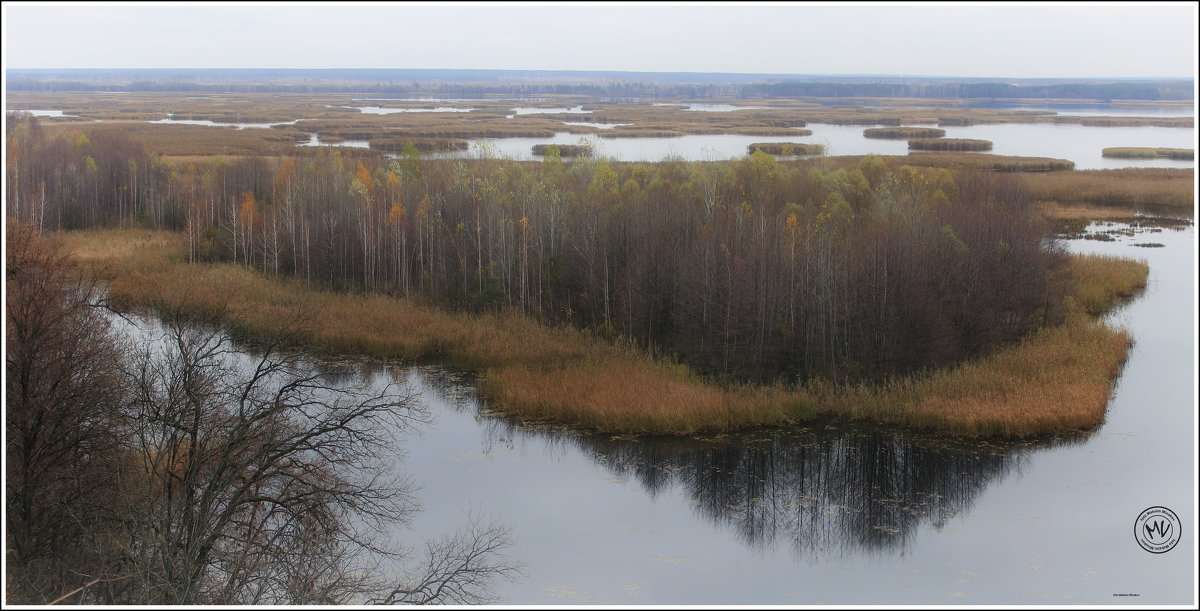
(949, 144)
(1054, 381)
(1146, 152)
(1158, 190)
(785, 148)
(903, 133)
(566, 150)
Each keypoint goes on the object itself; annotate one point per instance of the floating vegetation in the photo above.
(769, 131)
(1032, 164)
(955, 121)
(1129, 121)
(564, 150)
(1146, 152)
(949, 144)
(786, 149)
(640, 133)
(424, 145)
(1150, 245)
(903, 133)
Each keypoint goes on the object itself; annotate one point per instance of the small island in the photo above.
(1146, 152)
(786, 149)
(903, 133)
(949, 144)
(564, 150)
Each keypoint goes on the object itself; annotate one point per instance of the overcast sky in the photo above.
(994, 40)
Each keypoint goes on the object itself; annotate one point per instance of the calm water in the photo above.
(173, 121)
(710, 107)
(532, 110)
(1077, 143)
(831, 512)
(376, 110)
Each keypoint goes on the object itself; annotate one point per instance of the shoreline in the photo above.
(535, 372)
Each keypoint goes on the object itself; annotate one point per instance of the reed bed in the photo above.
(1161, 190)
(768, 131)
(187, 140)
(949, 144)
(1057, 380)
(1000, 163)
(424, 145)
(786, 149)
(1129, 121)
(903, 133)
(1102, 281)
(1140, 152)
(1032, 164)
(640, 133)
(565, 150)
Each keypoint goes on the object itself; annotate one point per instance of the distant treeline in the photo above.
(749, 269)
(1141, 90)
(480, 83)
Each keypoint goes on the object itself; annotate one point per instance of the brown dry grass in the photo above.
(1145, 152)
(1055, 381)
(949, 144)
(1103, 281)
(1163, 190)
(188, 140)
(963, 161)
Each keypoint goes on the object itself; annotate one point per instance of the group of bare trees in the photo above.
(749, 268)
(177, 470)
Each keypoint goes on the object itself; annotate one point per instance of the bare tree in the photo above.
(180, 470)
(461, 569)
(253, 482)
(63, 391)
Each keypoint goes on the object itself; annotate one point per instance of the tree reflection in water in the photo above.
(824, 489)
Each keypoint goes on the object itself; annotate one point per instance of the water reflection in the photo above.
(170, 120)
(822, 490)
(828, 489)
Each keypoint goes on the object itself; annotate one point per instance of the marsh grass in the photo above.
(192, 139)
(1167, 190)
(424, 145)
(785, 149)
(1141, 152)
(1102, 281)
(566, 150)
(949, 144)
(1056, 380)
(903, 133)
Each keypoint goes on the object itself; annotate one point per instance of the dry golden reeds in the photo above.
(949, 144)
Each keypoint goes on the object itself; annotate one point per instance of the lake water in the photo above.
(316, 141)
(596, 125)
(532, 110)
(173, 121)
(1081, 144)
(1077, 143)
(832, 512)
(376, 110)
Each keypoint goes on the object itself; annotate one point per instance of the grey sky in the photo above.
(1000, 40)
